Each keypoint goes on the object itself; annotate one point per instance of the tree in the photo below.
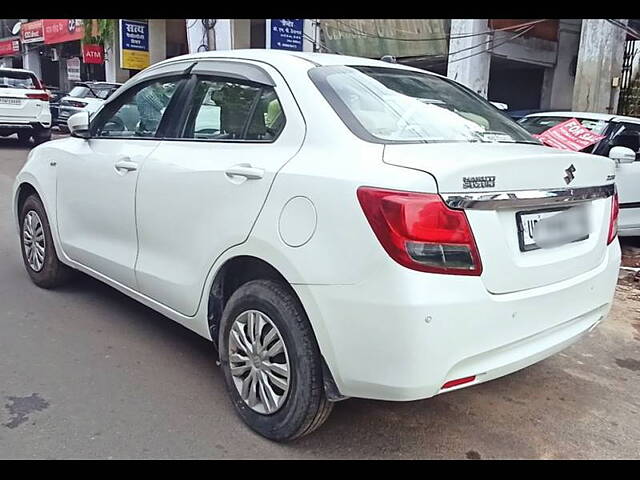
(99, 31)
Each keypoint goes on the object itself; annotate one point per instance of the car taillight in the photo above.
(39, 96)
(420, 232)
(75, 103)
(613, 221)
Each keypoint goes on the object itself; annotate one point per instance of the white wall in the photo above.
(471, 66)
(599, 61)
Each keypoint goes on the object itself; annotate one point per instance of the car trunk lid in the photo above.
(515, 187)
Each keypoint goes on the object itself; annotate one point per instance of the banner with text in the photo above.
(92, 54)
(9, 47)
(32, 32)
(59, 31)
(569, 135)
(134, 45)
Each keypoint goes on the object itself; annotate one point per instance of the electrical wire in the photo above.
(322, 45)
(529, 26)
(355, 31)
(487, 50)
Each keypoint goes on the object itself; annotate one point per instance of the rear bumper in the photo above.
(64, 112)
(14, 127)
(401, 335)
(40, 121)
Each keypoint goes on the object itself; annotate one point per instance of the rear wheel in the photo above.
(24, 137)
(271, 362)
(42, 136)
(38, 252)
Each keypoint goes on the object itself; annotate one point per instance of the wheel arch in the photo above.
(239, 270)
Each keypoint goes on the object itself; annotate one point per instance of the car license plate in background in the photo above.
(10, 101)
(552, 228)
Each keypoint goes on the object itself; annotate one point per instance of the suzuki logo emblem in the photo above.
(570, 176)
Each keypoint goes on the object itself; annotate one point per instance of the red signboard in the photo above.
(92, 54)
(32, 32)
(58, 31)
(569, 135)
(9, 47)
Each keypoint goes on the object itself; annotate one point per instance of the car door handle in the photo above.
(245, 170)
(126, 165)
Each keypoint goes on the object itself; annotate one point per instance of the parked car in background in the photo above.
(518, 114)
(55, 95)
(619, 131)
(84, 96)
(24, 106)
(337, 226)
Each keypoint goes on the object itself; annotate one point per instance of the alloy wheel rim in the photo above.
(33, 240)
(259, 362)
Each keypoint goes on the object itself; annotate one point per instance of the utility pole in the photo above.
(211, 33)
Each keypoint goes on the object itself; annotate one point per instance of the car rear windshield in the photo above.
(10, 79)
(392, 105)
(538, 124)
(83, 91)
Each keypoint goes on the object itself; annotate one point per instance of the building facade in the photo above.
(527, 64)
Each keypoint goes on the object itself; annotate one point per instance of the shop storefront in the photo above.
(53, 48)
(10, 53)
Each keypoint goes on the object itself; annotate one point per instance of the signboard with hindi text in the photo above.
(134, 44)
(286, 33)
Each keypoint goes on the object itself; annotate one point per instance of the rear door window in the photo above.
(223, 109)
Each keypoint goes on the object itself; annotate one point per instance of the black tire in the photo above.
(53, 273)
(42, 136)
(24, 137)
(306, 406)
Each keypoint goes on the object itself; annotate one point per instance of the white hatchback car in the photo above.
(84, 96)
(24, 106)
(337, 226)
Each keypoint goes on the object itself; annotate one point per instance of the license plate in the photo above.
(10, 101)
(552, 228)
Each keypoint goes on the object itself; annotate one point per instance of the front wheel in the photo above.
(271, 362)
(38, 251)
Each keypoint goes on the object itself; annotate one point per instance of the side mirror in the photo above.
(619, 154)
(78, 124)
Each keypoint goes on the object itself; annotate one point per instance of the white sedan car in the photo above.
(337, 226)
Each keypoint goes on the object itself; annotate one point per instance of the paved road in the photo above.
(85, 372)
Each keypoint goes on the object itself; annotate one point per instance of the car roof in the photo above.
(21, 70)
(278, 57)
(607, 117)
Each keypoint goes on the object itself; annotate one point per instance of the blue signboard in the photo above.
(134, 44)
(286, 33)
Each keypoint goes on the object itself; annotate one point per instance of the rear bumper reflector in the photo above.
(459, 381)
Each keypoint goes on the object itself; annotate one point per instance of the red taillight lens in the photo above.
(420, 232)
(613, 222)
(75, 103)
(39, 96)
